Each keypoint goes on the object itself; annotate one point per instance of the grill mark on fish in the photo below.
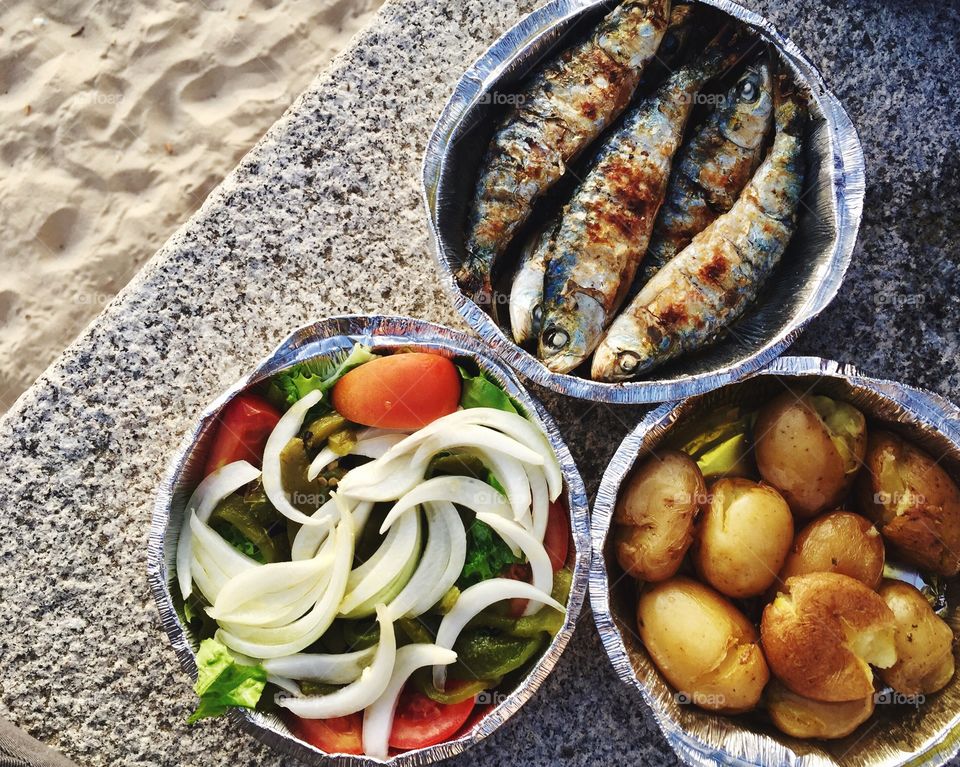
(562, 109)
(606, 226)
(702, 290)
(712, 168)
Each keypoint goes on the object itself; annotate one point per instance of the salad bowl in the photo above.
(898, 732)
(326, 338)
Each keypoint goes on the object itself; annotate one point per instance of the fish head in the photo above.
(570, 331)
(626, 352)
(749, 105)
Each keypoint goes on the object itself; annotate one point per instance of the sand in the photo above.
(117, 118)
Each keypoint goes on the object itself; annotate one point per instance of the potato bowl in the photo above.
(896, 734)
(804, 283)
(317, 340)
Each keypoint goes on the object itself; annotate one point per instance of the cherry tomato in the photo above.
(556, 540)
(340, 735)
(420, 721)
(403, 391)
(245, 424)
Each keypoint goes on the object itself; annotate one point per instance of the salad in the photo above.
(377, 551)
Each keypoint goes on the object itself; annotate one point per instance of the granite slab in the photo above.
(324, 217)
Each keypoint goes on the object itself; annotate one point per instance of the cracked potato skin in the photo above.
(796, 455)
(655, 514)
(811, 631)
(925, 661)
(914, 503)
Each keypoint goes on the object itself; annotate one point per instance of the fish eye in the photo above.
(538, 313)
(628, 361)
(555, 338)
(749, 91)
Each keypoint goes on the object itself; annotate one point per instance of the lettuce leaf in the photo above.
(487, 555)
(292, 384)
(223, 683)
(480, 391)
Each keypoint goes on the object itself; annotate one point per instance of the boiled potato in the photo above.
(924, 642)
(914, 502)
(839, 542)
(822, 631)
(743, 537)
(809, 447)
(653, 520)
(807, 718)
(703, 645)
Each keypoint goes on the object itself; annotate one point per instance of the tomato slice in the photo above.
(340, 735)
(403, 391)
(556, 540)
(245, 424)
(420, 721)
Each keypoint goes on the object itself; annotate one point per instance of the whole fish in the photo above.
(559, 113)
(605, 228)
(711, 282)
(713, 167)
(527, 292)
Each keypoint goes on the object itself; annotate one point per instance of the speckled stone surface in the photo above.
(324, 217)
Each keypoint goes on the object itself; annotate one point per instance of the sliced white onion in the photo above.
(215, 549)
(273, 578)
(286, 429)
(431, 580)
(512, 476)
(340, 668)
(476, 599)
(275, 594)
(511, 424)
(458, 554)
(275, 642)
(358, 694)
(394, 555)
(471, 435)
(539, 501)
(378, 718)
(376, 481)
(309, 537)
(213, 489)
(514, 535)
(367, 446)
(465, 491)
(208, 581)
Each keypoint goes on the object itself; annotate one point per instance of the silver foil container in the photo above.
(803, 285)
(895, 734)
(317, 340)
